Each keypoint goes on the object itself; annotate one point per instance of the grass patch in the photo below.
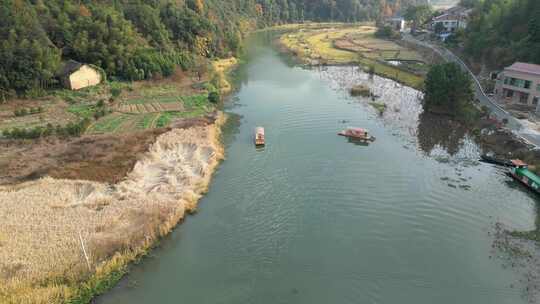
(379, 106)
(83, 110)
(390, 72)
(145, 121)
(166, 118)
(109, 123)
(195, 101)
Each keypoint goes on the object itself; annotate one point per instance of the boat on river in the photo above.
(357, 133)
(259, 137)
(490, 159)
(520, 172)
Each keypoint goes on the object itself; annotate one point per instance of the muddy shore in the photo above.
(64, 235)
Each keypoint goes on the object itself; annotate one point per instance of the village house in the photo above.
(452, 19)
(519, 84)
(75, 75)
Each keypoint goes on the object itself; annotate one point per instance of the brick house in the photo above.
(519, 84)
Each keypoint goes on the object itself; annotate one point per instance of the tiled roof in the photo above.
(69, 67)
(446, 17)
(454, 13)
(525, 68)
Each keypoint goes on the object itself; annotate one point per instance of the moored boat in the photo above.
(357, 133)
(259, 136)
(486, 158)
(520, 172)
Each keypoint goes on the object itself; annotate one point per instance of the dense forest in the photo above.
(141, 39)
(511, 29)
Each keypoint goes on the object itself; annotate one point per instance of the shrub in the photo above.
(116, 91)
(214, 97)
(360, 90)
(100, 113)
(71, 129)
(387, 32)
(379, 106)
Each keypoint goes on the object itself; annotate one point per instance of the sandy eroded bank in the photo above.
(56, 234)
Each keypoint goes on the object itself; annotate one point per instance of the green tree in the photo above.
(448, 90)
(418, 15)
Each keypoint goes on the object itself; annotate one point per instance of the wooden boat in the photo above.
(259, 136)
(520, 172)
(357, 133)
(497, 161)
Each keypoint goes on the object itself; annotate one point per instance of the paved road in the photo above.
(518, 127)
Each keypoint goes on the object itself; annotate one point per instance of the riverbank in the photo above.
(81, 209)
(342, 44)
(87, 232)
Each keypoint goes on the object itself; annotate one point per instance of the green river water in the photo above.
(314, 218)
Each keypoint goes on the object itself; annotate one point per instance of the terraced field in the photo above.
(110, 123)
(151, 107)
(347, 44)
(374, 48)
(135, 114)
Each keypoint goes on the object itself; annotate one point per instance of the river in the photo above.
(314, 218)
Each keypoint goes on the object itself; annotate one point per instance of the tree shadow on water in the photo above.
(440, 131)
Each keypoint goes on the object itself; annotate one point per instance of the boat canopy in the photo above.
(357, 131)
(360, 130)
(531, 176)
(518, 163)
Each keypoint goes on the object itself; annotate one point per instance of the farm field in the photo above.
(121, 107)
(111, 108)
(155, 108)
(345, 44)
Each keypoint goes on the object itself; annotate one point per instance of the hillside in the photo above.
(144, 39)
(510, 27)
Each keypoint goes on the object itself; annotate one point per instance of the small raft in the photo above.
(259, 137)
(357, 133)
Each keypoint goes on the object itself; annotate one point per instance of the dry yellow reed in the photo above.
(42, 222)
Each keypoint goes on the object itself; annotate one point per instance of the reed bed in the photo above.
(60, 238)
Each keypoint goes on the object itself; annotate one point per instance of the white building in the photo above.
(519, 84)
(397, 23)
(451, 19)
